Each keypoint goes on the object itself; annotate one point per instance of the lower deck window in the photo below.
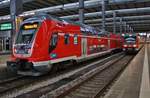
(75, 39)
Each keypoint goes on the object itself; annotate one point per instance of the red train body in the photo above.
(43, 41)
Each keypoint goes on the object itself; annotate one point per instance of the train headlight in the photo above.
(123, 34)
(29, 50)
(125, 45)
(134, 45)
(15, 50)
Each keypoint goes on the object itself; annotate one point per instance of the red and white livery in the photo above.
(131, 43)
(44, 41)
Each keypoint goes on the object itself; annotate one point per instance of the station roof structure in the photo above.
(135, 13)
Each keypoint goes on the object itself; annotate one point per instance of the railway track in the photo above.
(52, 87)
(4, 73)
(93, 84)
(9, 79)
(28, 85)
(14, 83)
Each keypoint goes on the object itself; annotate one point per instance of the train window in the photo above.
(53, 42)
(26, 33)
(66, 39)
(54, 39)
(75, 39)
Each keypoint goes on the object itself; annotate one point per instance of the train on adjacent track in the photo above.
(44, 41)
(131, 43)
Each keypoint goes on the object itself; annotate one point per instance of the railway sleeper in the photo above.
(79, 95)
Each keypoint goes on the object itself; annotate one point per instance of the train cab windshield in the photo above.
(26, 33)
(130, 39)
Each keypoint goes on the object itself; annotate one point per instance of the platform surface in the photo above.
(134, 81)
(4, 58)
(148, 52)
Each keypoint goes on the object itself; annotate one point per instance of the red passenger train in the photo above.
(131, 43)
(44, 41)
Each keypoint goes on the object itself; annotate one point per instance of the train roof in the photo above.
(83, 27)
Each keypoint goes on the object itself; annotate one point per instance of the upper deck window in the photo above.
(54, 40)
(75, 39)
(66, 39)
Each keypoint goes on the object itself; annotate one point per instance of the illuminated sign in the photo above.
(5, 26)
(30, 26)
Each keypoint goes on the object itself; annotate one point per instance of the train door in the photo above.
(84, 46)
(1, 44)
(109, 44)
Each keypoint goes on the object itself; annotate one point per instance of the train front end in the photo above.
(131, 43)
(30, 56)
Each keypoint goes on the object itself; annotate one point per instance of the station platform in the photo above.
(4, 58)
(5, 52)
(134, 81)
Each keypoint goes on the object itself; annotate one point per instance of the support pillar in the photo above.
(125, 28)
(81, 11)
(114, 22)
(128, 31)
(16, 7)
(103, 15)
(120, 25)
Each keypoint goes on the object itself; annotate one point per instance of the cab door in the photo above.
(84, 46)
